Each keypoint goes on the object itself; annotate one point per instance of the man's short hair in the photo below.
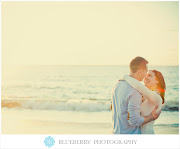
(137, 63)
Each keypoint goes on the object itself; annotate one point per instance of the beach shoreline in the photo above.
(63, 122)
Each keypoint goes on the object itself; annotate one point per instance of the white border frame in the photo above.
(37, 141)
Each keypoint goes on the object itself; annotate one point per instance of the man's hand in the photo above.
(154, 114)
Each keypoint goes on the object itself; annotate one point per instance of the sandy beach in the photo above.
(62, 122)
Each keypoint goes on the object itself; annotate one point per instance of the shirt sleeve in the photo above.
(134, 104)
(152, 96)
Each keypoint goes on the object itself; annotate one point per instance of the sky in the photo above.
(89, 33)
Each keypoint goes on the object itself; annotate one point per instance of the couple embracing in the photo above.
(135, 106)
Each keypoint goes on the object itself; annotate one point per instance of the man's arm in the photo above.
(134, 105)
(134, 117)
(152, 117)
(148, 119)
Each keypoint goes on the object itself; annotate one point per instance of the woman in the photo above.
(153, 95)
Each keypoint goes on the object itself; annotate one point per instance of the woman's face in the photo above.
(150, 79)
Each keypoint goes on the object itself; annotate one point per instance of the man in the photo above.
(126, 102)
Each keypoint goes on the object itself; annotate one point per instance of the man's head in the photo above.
(138, 68)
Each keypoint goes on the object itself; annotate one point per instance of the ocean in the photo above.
(78, 89)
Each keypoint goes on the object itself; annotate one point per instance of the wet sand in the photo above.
(62, 122)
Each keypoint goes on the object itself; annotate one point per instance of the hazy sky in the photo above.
(90, 33)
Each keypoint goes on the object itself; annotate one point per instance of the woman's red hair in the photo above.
(161, 83)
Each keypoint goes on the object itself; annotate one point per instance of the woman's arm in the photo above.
(152, 96)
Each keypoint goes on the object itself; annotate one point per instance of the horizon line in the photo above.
(77, 65)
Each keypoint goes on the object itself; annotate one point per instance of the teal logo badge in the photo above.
(49, 141)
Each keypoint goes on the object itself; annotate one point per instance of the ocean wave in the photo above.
(171, 106)
(91, 105)
(169, 125)
(69, 105)
(32, 86)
